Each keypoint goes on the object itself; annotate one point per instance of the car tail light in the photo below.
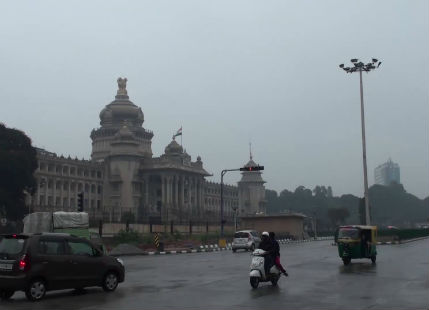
(24, 263)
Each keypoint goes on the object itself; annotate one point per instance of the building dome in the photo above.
(174, 148)
(121, 109)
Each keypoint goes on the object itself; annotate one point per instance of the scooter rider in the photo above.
(268, 246)
(276, 254)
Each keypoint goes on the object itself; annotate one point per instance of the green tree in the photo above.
(18, 161)
(338, 215)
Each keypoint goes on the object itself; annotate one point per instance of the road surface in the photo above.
(219, 280)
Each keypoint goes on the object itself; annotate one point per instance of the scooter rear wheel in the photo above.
(254, 282)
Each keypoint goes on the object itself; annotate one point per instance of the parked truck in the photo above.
(74, 223)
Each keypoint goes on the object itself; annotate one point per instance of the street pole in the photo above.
(221, 199)
(365, 172)
(221, 202)
(359, 66)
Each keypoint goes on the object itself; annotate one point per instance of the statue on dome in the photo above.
(122, 86)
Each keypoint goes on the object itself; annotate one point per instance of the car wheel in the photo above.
(6, 294)
(234, 250)
(254, 282)
(36, 290)
(110, 282)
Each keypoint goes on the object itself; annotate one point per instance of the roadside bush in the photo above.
(130, 236)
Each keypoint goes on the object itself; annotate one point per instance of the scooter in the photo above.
(257, 270)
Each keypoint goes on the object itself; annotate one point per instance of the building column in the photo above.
(176, 191)
(68, 193)
(182, 192)
(195, 206)
(146, 187)
(163, 197)
(54, 194)
(202, 197)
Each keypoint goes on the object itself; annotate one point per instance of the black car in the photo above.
(51, 261)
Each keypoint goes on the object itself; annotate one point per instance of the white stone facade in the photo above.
(123, 177)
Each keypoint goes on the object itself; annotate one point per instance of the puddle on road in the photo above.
(358, 268)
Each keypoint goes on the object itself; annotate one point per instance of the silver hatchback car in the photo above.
(246, 240)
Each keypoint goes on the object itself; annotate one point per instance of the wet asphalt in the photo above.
(220, 280)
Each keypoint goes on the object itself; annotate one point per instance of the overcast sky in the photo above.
(229, 72)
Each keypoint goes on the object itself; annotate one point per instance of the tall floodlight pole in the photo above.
(358, 66)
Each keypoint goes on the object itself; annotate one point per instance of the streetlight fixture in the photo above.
(223, 172)
(359, 66)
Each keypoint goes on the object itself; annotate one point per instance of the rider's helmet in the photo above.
(265, 233)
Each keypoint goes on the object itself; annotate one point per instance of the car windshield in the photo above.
(11, 247)
(348, 233)
(241, 235)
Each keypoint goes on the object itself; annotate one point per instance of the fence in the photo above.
(173, 228)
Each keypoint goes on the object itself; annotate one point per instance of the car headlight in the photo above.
(120, 261)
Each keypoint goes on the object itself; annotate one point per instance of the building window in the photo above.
(65, 186)
(92, 203)
(72, 170)
(93, 188)
(86, 188)
(99, 174)
(98, 204)
(72, 203)
(72, 186)
(42, 200)
(79, 187)
(65, 202)
(50, 184)
(99, 189)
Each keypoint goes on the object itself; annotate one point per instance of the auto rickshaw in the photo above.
(356, 241)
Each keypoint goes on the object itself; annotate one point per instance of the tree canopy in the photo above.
(18, 162)
(390, 205)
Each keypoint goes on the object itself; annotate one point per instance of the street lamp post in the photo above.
(359, 66)
(222, 222)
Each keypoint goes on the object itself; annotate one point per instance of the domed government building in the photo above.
(123, 177)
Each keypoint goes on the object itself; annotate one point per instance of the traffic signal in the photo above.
(252, 168)
(80, 202)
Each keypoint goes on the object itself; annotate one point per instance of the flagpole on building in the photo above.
(181, 136)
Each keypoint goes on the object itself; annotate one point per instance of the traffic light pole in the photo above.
(222, 221)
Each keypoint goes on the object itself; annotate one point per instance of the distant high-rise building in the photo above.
(387, 173)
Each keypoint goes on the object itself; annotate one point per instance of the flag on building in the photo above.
(178, 133)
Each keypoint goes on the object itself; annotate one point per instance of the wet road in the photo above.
(318, 280)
